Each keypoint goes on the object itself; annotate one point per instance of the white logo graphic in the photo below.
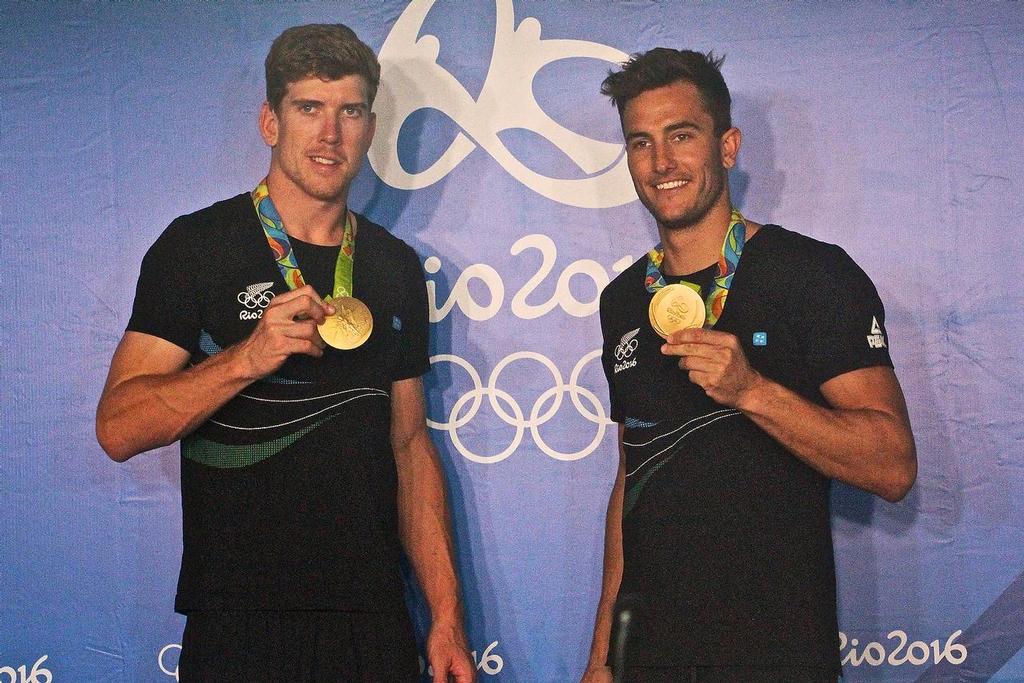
(256, 296)
(490, 663)
(461, 296)
(173, 672)
(507, 408)
(876, 340)
(917, 653)
(627, 345)
(411, 80)
(38, 674)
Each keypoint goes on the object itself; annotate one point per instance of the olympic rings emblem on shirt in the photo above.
(627, 345)
(623, 352)
(507, 408)
(256, 296)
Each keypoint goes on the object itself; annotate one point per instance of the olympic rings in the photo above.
(507, 408)
(251, 300)
(623, 352)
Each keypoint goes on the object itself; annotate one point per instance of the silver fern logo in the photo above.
(256, 295)
(255, 298)
(625, 348)
(627, 345)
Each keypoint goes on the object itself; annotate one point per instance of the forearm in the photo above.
(149, 411)
(869, 448)
(612, 574)
(606, 607)
(425, 531)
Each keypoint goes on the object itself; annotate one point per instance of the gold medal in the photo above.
(654, 322)
(350, 326)
(675, 307)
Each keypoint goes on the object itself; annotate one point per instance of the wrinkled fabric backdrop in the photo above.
(892, 129)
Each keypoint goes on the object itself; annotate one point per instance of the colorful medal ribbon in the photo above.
(732, 249)
(277, 238)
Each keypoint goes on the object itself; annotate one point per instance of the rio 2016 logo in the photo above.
(38, 673)
(255, 297)
(902, 651)
(500, 401)
(412, 79)
(489, 662)
(491, 280)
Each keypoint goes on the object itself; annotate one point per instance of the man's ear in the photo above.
(729, 146)
(268, 125)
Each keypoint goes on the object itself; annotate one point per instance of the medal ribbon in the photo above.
(732, 249)
(279, 243)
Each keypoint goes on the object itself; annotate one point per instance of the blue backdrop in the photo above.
(890, 128)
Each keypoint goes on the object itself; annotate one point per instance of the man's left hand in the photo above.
(448, 655)
(715, 362)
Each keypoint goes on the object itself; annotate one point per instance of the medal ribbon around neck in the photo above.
(279, 243)
(732, 249)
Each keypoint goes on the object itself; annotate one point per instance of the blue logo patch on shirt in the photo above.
(760, 339)
(396, 323)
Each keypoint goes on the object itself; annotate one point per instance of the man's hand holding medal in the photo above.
(288, 326)
(715, 362)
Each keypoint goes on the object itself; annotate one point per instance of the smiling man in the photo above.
(281, 338)
(748, 367)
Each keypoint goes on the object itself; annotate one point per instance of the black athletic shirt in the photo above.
(727, 541)
(289, 490)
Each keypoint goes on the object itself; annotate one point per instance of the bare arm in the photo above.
(425, 530)
(151, 399)
(863, 438)
(597, 668)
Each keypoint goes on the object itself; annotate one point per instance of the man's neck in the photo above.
(695, 247)
(306, 219)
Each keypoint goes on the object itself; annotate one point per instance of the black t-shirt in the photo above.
(726, 535)
(289, 490)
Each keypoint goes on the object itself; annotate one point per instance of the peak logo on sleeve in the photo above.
(876, 340)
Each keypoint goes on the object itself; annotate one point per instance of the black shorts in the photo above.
(313, 646)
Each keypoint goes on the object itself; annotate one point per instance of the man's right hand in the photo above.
(152, 398)
(288, 326)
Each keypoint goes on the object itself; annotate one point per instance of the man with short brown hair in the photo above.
(747, 368)
(306, 466)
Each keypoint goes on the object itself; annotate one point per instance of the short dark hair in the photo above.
(663, 66)
(327, 51)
